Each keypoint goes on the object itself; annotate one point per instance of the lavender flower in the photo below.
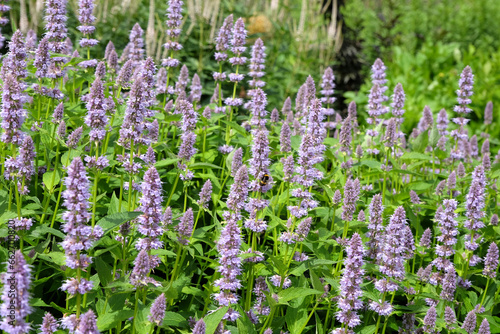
(398, 102)
(148, 224)
(259, 163)
(452, 180)
(275, 116)
(174, 15)
(183, 80)
(132, 125)
(475, 204)
(142, 266)
(287, 107)
(42, 58)
(125, 74)
(491, 261)
(86, 18)
(222, 40)
(257, 65)
(488, 113)
(484, 328)
(442, 122)
(205, 194)
(391, 258)
(288, 167)
(448, 227)
(237, 161)
(49, 324)
(196, 89)
(378, 75)
(78, 236)
(327, 89)
(239, 190)
(350, 291)
(228, 247)
(74, 137)
(345, 136)
(56, 24)
(375, 100)
(15, 306)
(96, 105)
(494, 220)
(430, 320)
(391, 135)
(449, 285)
(200, 327)
(469, 324)
(100, 70)
(136, 42)
(185, 227)
(87, 323)
(425, 241)
(485, 148)
(465, 91)
(12, 112)
(351, 195)
(157, 311)
(258, 108)
(449, 317)
(285, 142)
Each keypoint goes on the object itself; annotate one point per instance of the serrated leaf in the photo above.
(51, 179)
(293, 293)
(116, 219)
(213, 319)
(110, 320)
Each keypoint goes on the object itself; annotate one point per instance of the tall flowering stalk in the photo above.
(16, 280)
(464, 93)
(257, 66)
(222, 45)
(391, 261)
(237, 48)
(174, 21)
(86, 18)
(327, 90)
(79, 237)
(350, 289)
(56, 24)
(375, 227)
(136, 45)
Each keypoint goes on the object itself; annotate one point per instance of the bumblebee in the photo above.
(264, 179)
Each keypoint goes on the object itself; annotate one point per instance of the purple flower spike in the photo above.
(488, 113)
(42, 58)
(125, 74)
(142, 266)
(237, 161)
(464, 92)
(327, 90)
(15, 61)
(491, 261)
(398, 103)
(15, 306)
(133, 124)
(446, 219)
(185, 227)
(199, 327)
(352, 278)
(228, 247)
(285, 141)
(351, 195)
(430, 320)
(87, 323)
(205, 194)
(149, 222)
(449, 285)
(442, 122)
(12, 112)
(86, 18)
(259, 163)
(239, 190)
(484, 328)
(49, 324)
(392, 255)
(222, 41)
(79, 236)
(157, 311)
(257, 65)
(55, 26)
(378, 76)
(136, 42)
(196, 88)
(469, 324)
(96, 105)
(475, 204)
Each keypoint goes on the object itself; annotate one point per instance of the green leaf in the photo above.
(434, 136)
(201, 165)
(173, 319)
(51, 179)
(293, 293)
(415, 156)
(111, 221)
(166, 162)
(104, 271)
(111, 320)
(213, 319)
